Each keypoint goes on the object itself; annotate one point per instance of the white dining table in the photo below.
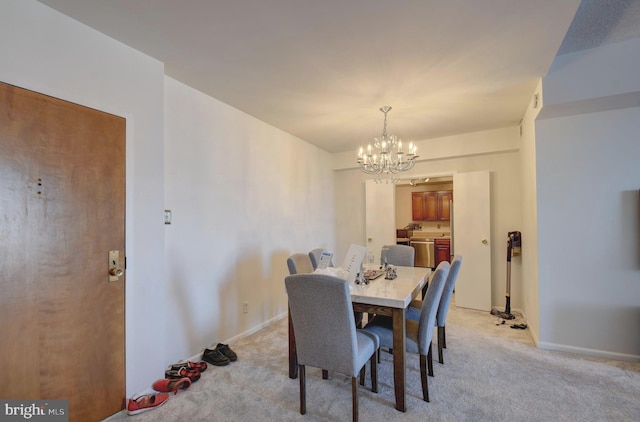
(384, 297)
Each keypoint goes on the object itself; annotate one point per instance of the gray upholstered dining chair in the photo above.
(325, 333)
(413, 312)
(418, 333)
(401, 255)
(314, 255)
(299, 263)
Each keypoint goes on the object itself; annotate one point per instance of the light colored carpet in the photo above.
(491, 373)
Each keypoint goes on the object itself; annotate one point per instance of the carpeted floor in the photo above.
(491, 373)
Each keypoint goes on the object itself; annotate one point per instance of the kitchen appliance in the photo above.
(425, 256)
(402, 236)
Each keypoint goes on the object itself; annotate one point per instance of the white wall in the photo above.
(244, 196)
(47, 52)
(589, 232)
(495, 151)
(529, 257)
(588, 176)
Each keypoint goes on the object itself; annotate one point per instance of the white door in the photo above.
(472, 239)
(380, 216)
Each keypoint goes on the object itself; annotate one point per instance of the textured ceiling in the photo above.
(599, 22)
(320, 70)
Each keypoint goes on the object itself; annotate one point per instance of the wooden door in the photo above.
(62, 208)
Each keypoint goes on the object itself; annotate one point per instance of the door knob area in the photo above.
(484, 241)
(114, 268)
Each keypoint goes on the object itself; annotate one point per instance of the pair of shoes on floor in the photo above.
(200, 366)
(144, 402)
(169, 385)
(220, 356)
(187, 369)
(183, 372)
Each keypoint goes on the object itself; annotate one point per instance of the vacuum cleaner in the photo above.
(513, 249)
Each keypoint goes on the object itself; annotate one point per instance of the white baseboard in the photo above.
(197, 357)
(256, 328)
(603, 354)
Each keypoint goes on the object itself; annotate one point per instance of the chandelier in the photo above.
(386, 155)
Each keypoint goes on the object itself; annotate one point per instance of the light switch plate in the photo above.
(167, 216)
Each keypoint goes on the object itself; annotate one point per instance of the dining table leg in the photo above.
(399, 369)
(293, 357)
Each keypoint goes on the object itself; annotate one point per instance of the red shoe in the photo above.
(200, 366)
(192, 374)
(142, 403)
(168, 385)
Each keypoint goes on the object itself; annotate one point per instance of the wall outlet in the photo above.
(245, 307)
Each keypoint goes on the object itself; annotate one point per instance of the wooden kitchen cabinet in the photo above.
(431, 206)
(442, 250)
(444, 205)
(417, 206)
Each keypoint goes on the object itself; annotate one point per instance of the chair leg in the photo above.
(303, 390)
(430, 361)
(423, 377)
(354, 393)
(325, 374)
(444, 338)
(374, 371)
(363, 372)
(441, 344)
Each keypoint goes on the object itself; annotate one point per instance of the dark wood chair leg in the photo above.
(441, 344)
(444, 338)
(423, 377)
(325, 374)
(354, 393)
(363, 373)
(303, 390)
(293, 358)
(374, 371)
(430, 361)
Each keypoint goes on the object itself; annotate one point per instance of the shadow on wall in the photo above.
(636, 242)
(197, 309)
(260, 286)
(628, 231)
(277, 293)
(591, 329)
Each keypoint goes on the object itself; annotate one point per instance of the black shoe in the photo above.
(215, 357)
(225, 350)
